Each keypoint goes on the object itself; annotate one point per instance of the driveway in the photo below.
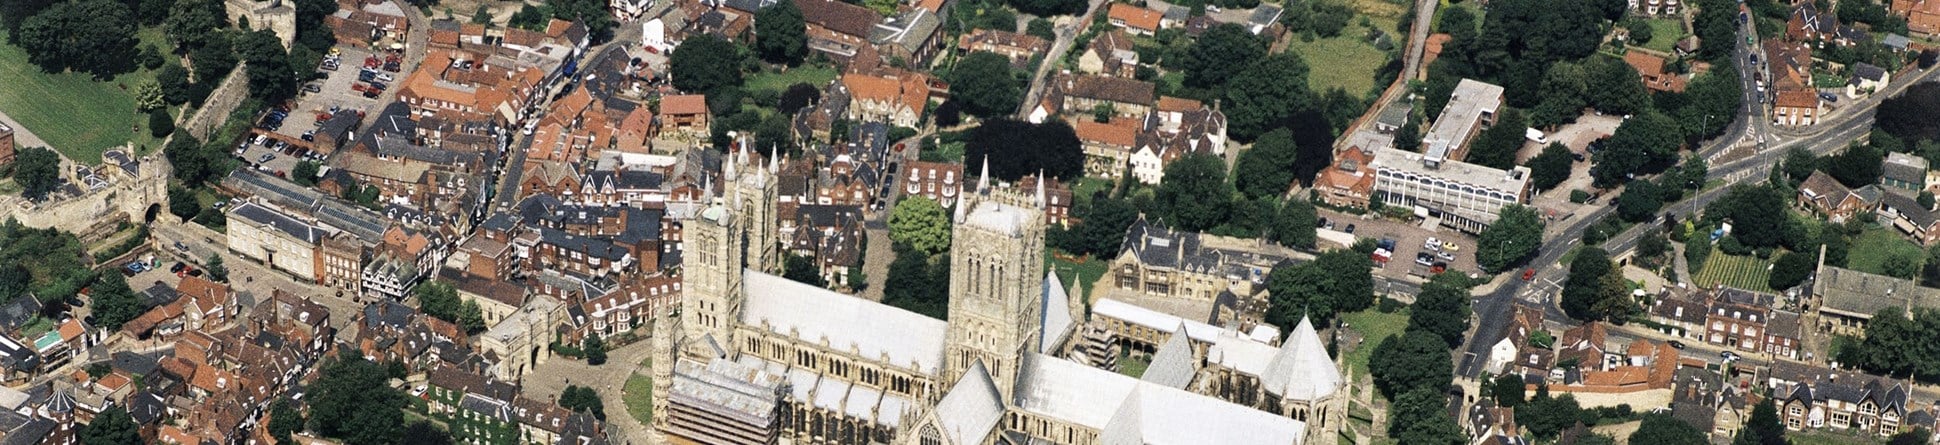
(548, 380)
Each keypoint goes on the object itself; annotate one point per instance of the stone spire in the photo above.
(1041, 203)
(983, 179)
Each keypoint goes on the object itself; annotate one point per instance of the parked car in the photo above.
(1433, 243)
(1676, 344)
(1350, 228)
(265, 158)
(383, 77)
(1445, 256)
(1424, 259)
(1528, 274)
(1450, 246)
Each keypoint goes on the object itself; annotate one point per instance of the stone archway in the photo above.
(153, 211)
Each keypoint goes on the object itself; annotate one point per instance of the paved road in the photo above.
(547, 380)
(1418, 36)
(1066, 34)
(1493, 309)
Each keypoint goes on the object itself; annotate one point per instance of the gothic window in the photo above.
(931, 436)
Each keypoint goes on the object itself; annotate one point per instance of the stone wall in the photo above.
(220, 103)
(278, 16)
(97, 213)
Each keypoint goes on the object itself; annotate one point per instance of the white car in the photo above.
(384, 77)
(1432, 243)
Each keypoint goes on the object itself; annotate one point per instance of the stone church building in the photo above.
(753, 358)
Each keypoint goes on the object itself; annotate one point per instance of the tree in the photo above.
(1016, 149)
(1666, 430)
(1266, 169)
(1640, 32)
(1266, 94)
(1757, 214)
(1101, 231)
(1642, 145)
(1295, 225)
(1551, 167)
(1905, 115)
(160, 124)
(1219, 56)
(798, 96)
(354, 401)
(37, 170)
(1496, 147)
(113, 426)
(217, 272)
(270, 75)
(1694, 172)
(916, 285)
(1585, 277)
(528, 18)
(1919, 435)
(1798, 164)
(949, 114)
(92, 36)
(305, 173)
(1763, 428)
(921, 224)
(174, 81)
(1508, 390)
(439, 300)
(148, 98)
(195, 164)
(1619, 90)
(583, 399)
(703, 64)
(1516, 234)
(1408, 137)
(1041, 28)
(1335, 281)
(1195, 195)
(985, 85)
(192, 24)
(1547, 416)
(1415, 405)
(1791, 269)
(802, 269)
(1639, 201)
(284, 420)
(1442, 308)
(1043, 8)
(1857, 166)
(114, 302)
(1436, 429)
(182, 203)
(781, 35)
(1613, 301)
(423, 432)
(1414, 359)
(595, 348)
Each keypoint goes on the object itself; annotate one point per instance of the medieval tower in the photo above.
(996, 281)
(735, 231)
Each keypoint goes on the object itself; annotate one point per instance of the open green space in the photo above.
(1664, 34)
(1828, 436)
(1375, 327)
(1743, 272)
(1085, 273)
(638, 394)
(1133, 365)
(1877, 247)
(1347, 61)
(1087, 186)
(79, 116)
(777, 81)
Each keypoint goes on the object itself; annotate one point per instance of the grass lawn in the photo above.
(1664, 34)
(1830, 437)
(1743, 272)
(1878, 246)
(639, 394)
(1132, 365)
(1385, 14)
(819, 76)
(1375, 327)
(79, 116)
(1088, 186)
(1346, 61)
(1086, 273)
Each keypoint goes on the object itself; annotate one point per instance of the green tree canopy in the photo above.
(802, 269)
(1792, 268)
(781, 35)
(1220, 54)
(1414, 359)
(1195, 195)
(1336, 281)
(1551, 167)
(1585, 276)
(113, 426)
(1442, 308)
(191, 23)
(1639, 201)
(921, 224)
(114, 302)
(353, 401)
(704, 64)
(1496, 147)
(1265, 94)
(1294, 226)
(1645, 144)
(918, 283)
(92, 36)
(1508, 390)
(1514, 237)
(1016, 149)
(1763, 428)
(1666, 430)
(1266, 169)
(37, 170)
(438, 299)
(986, 86)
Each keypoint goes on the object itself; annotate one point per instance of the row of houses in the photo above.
(1893, 199)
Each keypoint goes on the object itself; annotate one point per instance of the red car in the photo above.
(1528, 274)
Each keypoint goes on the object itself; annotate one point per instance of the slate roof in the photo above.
(18, 311)
(278, 221)
(1904, 168)
(838, 16)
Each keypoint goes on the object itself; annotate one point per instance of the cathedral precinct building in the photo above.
(754, 358)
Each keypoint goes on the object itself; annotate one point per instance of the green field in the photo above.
(79, 116)
(819, 76)
(638, 394)
(1375, 327)
(1133, 365)
(1873, 249)
(1087, 273)
(1743, 272)
(1346, 61)
(1664, 34)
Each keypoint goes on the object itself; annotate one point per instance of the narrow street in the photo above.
(1066, 33)
(548, 380)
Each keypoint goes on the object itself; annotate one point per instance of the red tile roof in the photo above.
(1136, 17)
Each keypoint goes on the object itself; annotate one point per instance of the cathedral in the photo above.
(754, 358)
